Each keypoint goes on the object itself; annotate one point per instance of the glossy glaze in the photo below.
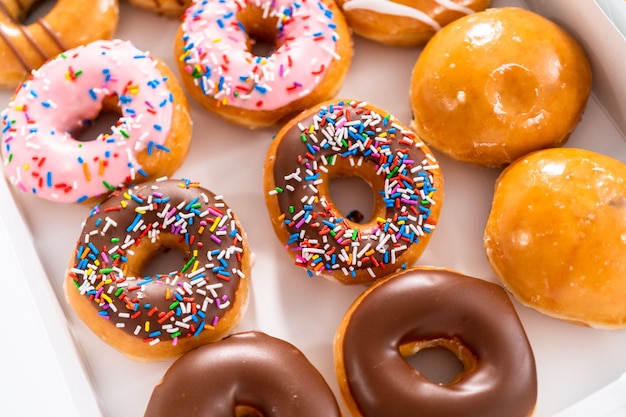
(251, 370)
(441, 308)
(497, 84)
(556, 235)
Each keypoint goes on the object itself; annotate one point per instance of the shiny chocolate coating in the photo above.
(250, 370)
(127, 230)
(429, 305)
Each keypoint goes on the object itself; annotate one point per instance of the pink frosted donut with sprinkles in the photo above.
(42, 148)
(308, 51)
(160, 316)
(343, 139)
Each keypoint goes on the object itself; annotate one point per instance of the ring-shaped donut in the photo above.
(40, 149)
(431, 307)
(68, 24)
(245, 374)
(151, 318)
(214, 46)
(351, 138)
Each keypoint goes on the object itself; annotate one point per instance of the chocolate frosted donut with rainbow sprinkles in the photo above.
(258, 63)
(43, 150)
(351, 139)
(157, 316)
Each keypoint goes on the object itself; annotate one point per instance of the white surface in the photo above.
(607, 402)
(616, 11)
(572, 362)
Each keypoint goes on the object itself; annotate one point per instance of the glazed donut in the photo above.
(556, 235)
(351, 138)
(498, 84)
(170, 8)
(40, 149)
(404, 22)
(69, 23)
(150, 318)
(221, 70)
(431, 307)
(245, 374)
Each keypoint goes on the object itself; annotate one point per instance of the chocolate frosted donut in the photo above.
(247, 372)
(161, 316)
(344, 139)
(428, 307)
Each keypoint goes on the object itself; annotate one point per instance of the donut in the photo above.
(160, 316)
(68, 24)
(169, 8)
(222, 70)
(346, 138)
(556, 235)
(405, 23)
(493, 86)
(245, 374)
(42, 150)
(428, 307)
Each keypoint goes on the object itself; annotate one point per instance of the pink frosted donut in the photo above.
(221, 69)
(40, 151)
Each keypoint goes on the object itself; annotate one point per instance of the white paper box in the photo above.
(75, 374)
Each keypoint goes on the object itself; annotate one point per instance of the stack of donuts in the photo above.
(223, 157)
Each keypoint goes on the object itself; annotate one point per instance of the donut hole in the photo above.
(103, 122)
(167, 260)
(440, 361)
(353, 197)
(262, 31)
(163, 256)
(247, 411)
(33, 10)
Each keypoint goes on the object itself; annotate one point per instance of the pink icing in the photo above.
(217, 56)
(39, 152)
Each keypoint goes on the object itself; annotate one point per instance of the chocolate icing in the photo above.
(246, 369)
(350, 138)
(431, 304)
(152, 217)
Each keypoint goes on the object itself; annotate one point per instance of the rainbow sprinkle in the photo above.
(216, 55)
(349, 132)
(172, 305)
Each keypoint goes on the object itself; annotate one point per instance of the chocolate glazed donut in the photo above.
(345, 138)
(428, 307)
(245, 374)
(160, 316)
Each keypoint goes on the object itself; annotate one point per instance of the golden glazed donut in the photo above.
(223, 71)
(405, 22)
(246, 374)
(41, 147)
(170, 8)
(493, 86)
(69, 23)
(343, 139)
(556, 235)
(428, 307)
(150, 318)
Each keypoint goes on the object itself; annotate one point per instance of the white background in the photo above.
(41, 372)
